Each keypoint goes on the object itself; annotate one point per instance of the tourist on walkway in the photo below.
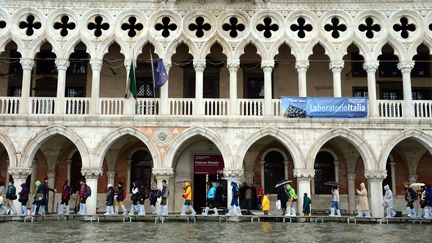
(334, 208)
(2, 198)
(292, 197)
(266, 203)
(388, 202)
(307, 202)
(135, 197)
(11, 196)
(109, 201)
(143, 194)
(234, 200)
(363, 202)
(76, 199)
(164, 194)
(154, 194)
(65, 197)
(422, 202)
(259, 193)
(248, 199)
(211, 200)
(187, 195)
(220, 196)
(120, 197)
(410, 198)
(282, 196)
(428, 197)
(83, 195)
(39, 199)
(23, 198)
(46, 189)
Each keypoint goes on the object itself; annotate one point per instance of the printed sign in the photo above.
(208, 164)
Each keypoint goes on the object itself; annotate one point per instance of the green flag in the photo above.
(132, 81)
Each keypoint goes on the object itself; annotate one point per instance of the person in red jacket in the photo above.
(83, 197)
(66, 194)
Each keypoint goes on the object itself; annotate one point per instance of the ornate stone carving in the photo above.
(351, 176)
(371, 66)
(27, 63)
(236, 173)
(91, 173)
(267, 65)
(162, 136)
(336, 65)
(304, 173)
(96, 64)
(20, 173)
(375, 175)
(406, 67)
(302, 65)
(62, 64)
(163, 172)
(199, 65)
(233, 64)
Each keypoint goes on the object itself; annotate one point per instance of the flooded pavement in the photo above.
(75, 231)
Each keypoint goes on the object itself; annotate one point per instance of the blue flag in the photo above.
(160, 74)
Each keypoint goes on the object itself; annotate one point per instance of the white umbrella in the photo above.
(232, 179)
(417, 185)
(180, 180)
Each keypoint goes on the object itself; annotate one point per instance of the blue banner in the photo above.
(325, 107)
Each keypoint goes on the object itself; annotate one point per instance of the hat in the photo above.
(164, 181)
(45, 178)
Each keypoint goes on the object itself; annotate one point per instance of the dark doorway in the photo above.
(388, 179)
(76, 175)
(141, 168)
(324, 171)
(274, 170)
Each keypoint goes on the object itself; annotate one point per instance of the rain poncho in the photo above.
(266, 203)
(388, 197)
(187, 191)
(211, 193)
(291, 192)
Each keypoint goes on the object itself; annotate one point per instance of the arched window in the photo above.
(324, 171)
(274, 170)
(75, 176)
(141, 168)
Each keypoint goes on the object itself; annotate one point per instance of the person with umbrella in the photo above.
(282, 195)
(187, 195)
(234, 200)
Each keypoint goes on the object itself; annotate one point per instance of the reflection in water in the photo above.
(70, 231)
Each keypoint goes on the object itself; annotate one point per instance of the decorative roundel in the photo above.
(29, 25)
(98, 26)
(198, 26)
(369, 27)
(64, 26)
(405, 25)
(301, 26)
(372, 26)
(131, 26)
(336, 26)
(4, 25)
(267, 26)
(166, 25)
(234, 25)
(428, 24)
(162, 136)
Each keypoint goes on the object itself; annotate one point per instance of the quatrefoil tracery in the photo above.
(199, 26)
(132, 27)
(64, 25)
(98, 26)
(404, 27)
(369, 27)
(30, 25)
(335, 27)
(267, 27)
(166, 27)
(233, 27)
(301, 27)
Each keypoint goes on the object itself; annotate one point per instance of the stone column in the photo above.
(412, 178)
(234, 173)
(199, 65)
(69, 164)
(128, 178)
(262, 163)
(92, 176)
(33, 176)
(286, 168)
(375, 179)
(249, 177)
(19, 176)
(336, 165)
(351, 192)
(27, 67)
(129, 102)
(164, 174)
(233, 66)
(96, 65)
(336, 68)
(302, 67)
(304, 178)
(371, 67)
(164, 101)
(405, 68)
(393, 176)
(267, 66)
(62, 66)
(51, 182)
(111, 175)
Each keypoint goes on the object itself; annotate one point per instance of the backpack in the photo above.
(88, 191)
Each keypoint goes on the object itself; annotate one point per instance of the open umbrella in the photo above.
(283, 182)
(232, 179)
(180, 180)
(332, 183)
(417, 185)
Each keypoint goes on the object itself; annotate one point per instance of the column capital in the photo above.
(163, 172)
(375, 175)
(304, 173)
(249, 174)
(69, 161)
(406, 67)
(236, 173)
(199, 64)
(286, 162)
(351, 176)
(62, 64)
(51, 173)
(412, 177)
(233, 64)
(91, 173)
(392, 163)
(262, 162)
(96, 64)
(27, 63)
(302, 65)
(336, 65)
(371, 66)
(110, 173)
(267, 65)
(19, 173)
(167, 64)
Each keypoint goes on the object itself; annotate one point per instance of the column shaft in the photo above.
(371, 68)
(233, 66)
(302, 67)
(336, 67)
(62, 66)
(267, 66)
(408, 108)
(27, 66)
(96, 65)
(199, 66)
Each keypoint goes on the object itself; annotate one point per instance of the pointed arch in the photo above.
(239, 49)
(361, 145)
(172, 47)
(226, 50)
(277, 134)
(10, 149)
(192, 132)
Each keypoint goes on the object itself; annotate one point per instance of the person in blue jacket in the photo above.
(211, 200)
(234, 200)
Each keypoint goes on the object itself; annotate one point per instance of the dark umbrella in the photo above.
(283, 182)
(332, 183)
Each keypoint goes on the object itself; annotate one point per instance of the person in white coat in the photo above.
(388, 202)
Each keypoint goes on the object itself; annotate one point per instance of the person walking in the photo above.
(46, 189)
(154, 194)
(120, 197)
(39, 198)
(428, 198)
(164, 195)
(11, 196)
(109, 201)
(266, 203)
(292, 197)
(282, 196)
(248, 199)
(307, 203)
(2, 198)
(422, 202)
(84, 193)
(187, 195)
(135, 198)
(334, 209)
(363, 202)
(23, 198)
(65, 197)
(220, 196)
(234, 200)
(211, 200)
(260, 194)
(388, 202)
(143, 194)
(410, 198)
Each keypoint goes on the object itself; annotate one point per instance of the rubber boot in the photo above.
(413, 213)
(420, 213)
(183, 212)
(427, 213)
(205, 213)
(215, 211)
(230, 209)
(84, 209)
(67, 210)
(192, 210)
(23, 211)
(141, 210)
(408, 209)
(288, 212)
(338, 213)
(112, 211)
(239, 213)
(293, 212)
(359, 214)
(165, 210)
(367, 214)
(107, 210)
(33, 209)
(153, 208)
(116, 210)
(132, 210)
(60, 209)
(332, 212)
(124, 210)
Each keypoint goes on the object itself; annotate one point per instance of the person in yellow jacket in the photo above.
(187, 195)
(266, 203)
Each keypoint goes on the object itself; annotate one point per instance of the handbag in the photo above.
(278, 204)
(39, 197)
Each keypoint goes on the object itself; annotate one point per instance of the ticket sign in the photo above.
(208, 164)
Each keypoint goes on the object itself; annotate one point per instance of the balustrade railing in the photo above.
(251, 107)
(216, 107)
(77, 106)
(148, 106)
(9, 105)
(41, 105)
(390, 108)
(181, 106)
(112, 106)
(423, 108)
(276, 107)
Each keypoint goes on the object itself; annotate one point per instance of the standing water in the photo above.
(70, 231)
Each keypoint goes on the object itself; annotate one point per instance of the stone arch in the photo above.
(172, 47)
(331, 152)
(274, 150)
(191, 132)
(34, 143)
(10, 149)
(416, 134)
(239, 50)
(226, 50)
(288, 142)
(294, 47)
(362, 147)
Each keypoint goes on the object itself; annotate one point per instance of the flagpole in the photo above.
(153, 76)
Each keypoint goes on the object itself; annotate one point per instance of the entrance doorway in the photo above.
(274, 171)
(141, 168)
